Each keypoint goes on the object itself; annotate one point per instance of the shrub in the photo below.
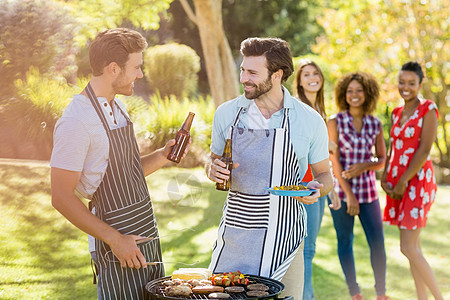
(34, 33)
(39, 103)
(162, 118)
(172, 69)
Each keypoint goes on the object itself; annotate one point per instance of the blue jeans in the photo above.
(314, 213)
(371, 221)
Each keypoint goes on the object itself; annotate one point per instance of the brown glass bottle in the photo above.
(226, 158)
(181, 140)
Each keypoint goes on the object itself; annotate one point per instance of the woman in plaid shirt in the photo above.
(356, 131)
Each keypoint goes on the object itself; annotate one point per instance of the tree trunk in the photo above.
(220, 68)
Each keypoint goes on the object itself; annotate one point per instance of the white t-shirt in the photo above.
(256, 119)
(80, 142)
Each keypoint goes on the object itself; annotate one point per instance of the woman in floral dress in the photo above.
(408, 178)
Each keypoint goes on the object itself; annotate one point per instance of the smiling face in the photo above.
(255, 77)
(124, 83)
(355, 94)
(408, 85)
(310, 79)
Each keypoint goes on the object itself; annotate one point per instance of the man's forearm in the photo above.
(76, 212)
(327, 180)
(153, 161)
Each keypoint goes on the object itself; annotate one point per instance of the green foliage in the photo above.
(98, 15)
(162, 118)
(379, 36)
(172, 69)
(135, 106)
(41, 101)
(330, 106)
(34, 33)
(39, 104)
(293, 21)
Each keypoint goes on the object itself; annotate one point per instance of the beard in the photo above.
(122, 87)
(259, 89)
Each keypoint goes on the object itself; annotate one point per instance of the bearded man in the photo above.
(274, 138)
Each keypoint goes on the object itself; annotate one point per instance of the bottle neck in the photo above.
(188, 122)
(227, 149)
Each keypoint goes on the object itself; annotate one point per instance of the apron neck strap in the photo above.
(285, 122)
(98, 109)
(93, 98)
(236, 119)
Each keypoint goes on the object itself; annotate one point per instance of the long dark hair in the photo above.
(300, 92)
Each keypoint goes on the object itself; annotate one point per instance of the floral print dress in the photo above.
(411, 211)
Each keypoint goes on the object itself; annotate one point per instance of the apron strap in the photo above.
(236, 119)
(94, 271)
(124, 114)
(98, 109)
(285, 122)
(94, 101)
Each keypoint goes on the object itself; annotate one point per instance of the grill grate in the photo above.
(157, 290)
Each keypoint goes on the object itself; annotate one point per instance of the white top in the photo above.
(256, 119)
(80, 142)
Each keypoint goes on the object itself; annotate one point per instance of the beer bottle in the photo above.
(226, 158)
(181, 140)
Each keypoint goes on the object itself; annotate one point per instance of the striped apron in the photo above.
(122, 200)
(260, 233)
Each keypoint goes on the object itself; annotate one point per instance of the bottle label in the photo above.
(180, 145)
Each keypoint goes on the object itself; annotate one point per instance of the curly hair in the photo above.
(370, 87)
(299, 91)
(277, 53)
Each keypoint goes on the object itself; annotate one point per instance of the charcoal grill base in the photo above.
(156, 289)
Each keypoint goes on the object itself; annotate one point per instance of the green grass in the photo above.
(42, 256)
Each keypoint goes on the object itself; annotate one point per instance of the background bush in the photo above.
(161, 119)
(36, 33)
(172, 69)
(32, 114)
(39, 103)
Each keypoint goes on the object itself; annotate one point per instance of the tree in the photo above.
(220, 67)
(379, 36)
(293, 21)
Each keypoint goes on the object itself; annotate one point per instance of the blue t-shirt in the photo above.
(308, 131)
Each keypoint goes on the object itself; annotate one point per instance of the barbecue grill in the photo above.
(156, 289)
